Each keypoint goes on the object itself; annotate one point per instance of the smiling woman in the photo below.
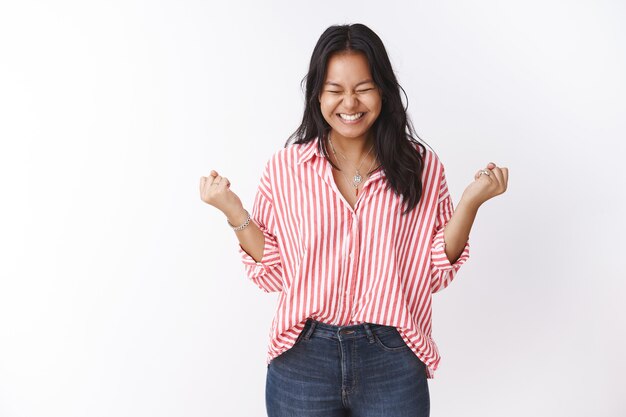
(353, 224)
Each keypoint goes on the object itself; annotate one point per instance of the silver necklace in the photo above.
(356, 180)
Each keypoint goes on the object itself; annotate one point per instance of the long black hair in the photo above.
(393, 131)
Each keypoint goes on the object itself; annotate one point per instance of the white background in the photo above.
(122, 293)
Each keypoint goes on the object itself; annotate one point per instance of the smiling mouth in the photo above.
(351, 117)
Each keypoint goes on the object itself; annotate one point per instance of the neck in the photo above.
(355, 149)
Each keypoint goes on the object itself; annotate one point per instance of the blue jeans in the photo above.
(361, 370)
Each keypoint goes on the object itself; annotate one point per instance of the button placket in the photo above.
(353, 264)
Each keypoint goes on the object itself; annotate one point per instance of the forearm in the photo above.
(250, 237)
(458, 228)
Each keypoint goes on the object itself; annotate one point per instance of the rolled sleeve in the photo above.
(442, 270)
(267, 273)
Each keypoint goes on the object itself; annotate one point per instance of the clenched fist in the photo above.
(215, 190)
(487, 184)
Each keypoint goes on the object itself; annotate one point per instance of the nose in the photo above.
(350, 101)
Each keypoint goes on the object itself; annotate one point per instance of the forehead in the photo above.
(346, 67)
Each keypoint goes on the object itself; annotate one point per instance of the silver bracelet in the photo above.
(237, 228)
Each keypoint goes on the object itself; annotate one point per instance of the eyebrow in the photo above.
(369, 80)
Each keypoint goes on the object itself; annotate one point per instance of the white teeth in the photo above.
(350, 116)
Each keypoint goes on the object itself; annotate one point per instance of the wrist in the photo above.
(468, 204)
(236, 217)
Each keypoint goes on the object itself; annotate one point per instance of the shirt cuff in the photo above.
(270, 257)
(440, 259)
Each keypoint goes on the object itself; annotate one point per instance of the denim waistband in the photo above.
(352, 331)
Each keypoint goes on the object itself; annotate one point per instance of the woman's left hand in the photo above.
(486, 186)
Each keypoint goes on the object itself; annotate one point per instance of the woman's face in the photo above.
(350, 101)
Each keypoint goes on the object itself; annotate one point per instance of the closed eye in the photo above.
(358, 91)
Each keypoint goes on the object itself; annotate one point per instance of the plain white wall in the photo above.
(122, 293)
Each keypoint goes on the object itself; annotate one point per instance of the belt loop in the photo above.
(310, 332)
(368, 331)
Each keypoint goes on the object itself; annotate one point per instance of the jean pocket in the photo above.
(390, 340)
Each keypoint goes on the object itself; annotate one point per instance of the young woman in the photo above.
(354, 227)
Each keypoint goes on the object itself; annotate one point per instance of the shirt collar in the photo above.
(309, 149)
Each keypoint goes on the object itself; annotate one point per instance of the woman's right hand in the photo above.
(215, 190)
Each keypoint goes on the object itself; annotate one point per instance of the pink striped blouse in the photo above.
(345, 266)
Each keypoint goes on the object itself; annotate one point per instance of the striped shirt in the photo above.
(345, 266)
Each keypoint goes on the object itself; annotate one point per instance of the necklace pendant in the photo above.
(357, 178)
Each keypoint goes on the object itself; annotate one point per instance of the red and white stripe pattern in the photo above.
(346, 266)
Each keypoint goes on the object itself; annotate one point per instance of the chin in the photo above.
(350, 133)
